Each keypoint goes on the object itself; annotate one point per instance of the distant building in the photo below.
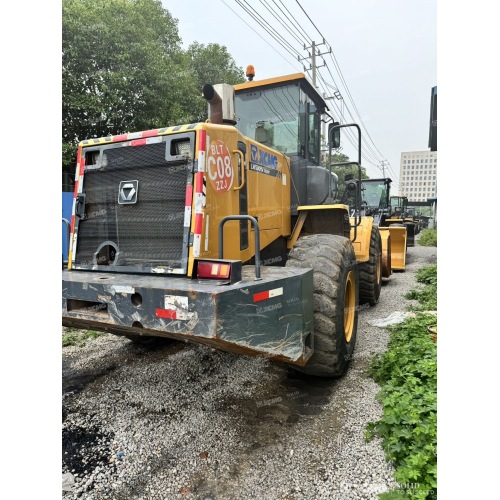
(418, 175)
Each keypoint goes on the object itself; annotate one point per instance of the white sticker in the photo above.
(134, 135)
(284, 179)
(187, 216)
(178, 304)
(206, 233)
(196, 245)
(201, 161)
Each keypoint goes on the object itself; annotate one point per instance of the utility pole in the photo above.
(314, 63)
(383, 163)
(313, 67)
(312, 55)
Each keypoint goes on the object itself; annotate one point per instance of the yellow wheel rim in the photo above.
(379, 260)
(349, 306)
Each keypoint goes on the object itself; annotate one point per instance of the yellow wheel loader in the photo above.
(375, 194)
(398, 216)
(223, 232)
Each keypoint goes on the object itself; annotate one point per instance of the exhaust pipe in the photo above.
(215, 101)
(221, 100)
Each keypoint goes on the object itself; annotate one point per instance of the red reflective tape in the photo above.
(166, 313)
(189, 195)
(72, 230)
(202, 144)
(198, 223)
(138, 142)
(118, 138)
(261, 296)
(199, 182)
(150, 133)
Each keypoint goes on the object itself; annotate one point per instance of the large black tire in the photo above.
(336, 290)
(370, 273)
(410, 234)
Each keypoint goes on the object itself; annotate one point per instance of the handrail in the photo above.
(257, 239)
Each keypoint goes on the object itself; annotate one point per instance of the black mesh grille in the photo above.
(148, 232)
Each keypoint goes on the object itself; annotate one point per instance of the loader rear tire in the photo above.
(336, 290)
(370, 273)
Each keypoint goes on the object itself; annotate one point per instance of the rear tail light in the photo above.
(218, 269)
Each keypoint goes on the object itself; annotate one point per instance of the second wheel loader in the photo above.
(375, 194)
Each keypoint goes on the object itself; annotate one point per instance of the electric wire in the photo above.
(255, 16)
(295, 23)
(370, 148)
(337, 66)
(276, 16)
(259, 35)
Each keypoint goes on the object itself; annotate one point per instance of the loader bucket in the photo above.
(398, 247)
(385, 235)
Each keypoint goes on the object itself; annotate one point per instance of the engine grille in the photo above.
(148, 232)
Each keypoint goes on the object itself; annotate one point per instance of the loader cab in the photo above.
(375, 194)
(399, 206)
(375, 199)
(283, 113)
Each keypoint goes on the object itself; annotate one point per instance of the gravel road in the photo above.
(186, 421)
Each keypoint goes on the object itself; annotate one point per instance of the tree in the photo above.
(123, 70)
(343, 171)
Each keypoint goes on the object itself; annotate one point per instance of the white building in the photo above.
(418, 175)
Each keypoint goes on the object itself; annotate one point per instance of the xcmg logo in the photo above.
(263, 157)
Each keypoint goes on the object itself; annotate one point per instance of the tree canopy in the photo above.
(124, 70)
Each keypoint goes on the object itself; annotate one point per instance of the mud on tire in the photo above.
(336, 288)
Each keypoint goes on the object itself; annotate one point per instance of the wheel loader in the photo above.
(399, 215)
(224, 232)
(375, 194)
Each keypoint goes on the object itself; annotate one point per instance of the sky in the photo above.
(386, 52)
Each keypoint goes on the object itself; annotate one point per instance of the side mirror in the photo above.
(334, 137)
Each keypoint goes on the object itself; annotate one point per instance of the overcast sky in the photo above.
(386, 51)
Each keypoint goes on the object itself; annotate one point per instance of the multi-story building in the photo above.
(418, 175)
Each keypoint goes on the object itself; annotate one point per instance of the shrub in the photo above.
(428, 238)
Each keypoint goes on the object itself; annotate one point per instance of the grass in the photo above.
(74, 337)
(428, 238)
(427, 294)
(407, 374)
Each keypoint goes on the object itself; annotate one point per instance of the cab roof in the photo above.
(276, 81)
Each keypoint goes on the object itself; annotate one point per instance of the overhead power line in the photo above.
(268, 28)
(278, 17)
(337, 66)
(259, 35)
(282, 26)
(295, 23)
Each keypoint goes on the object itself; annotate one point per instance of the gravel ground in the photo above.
(186, 421)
